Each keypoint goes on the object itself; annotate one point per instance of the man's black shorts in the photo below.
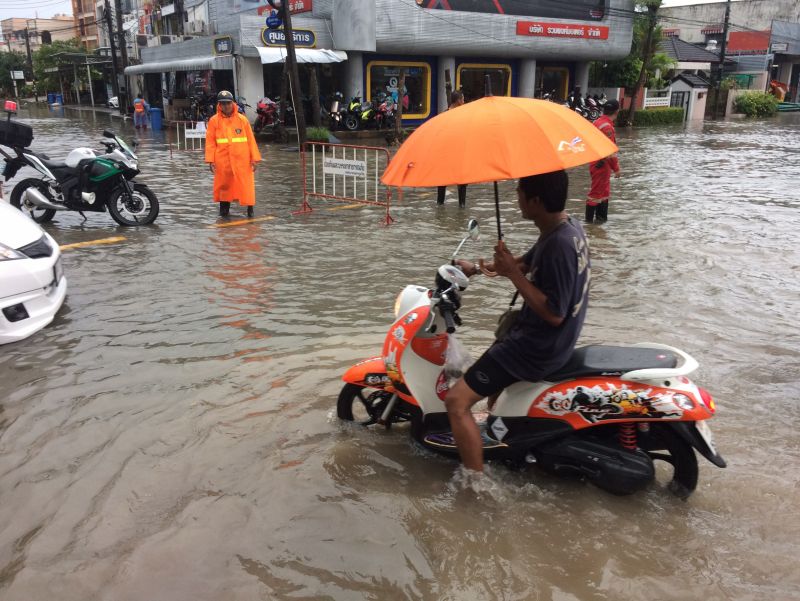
(487, 377)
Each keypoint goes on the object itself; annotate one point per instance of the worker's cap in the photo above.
(611, 107)
(224, 96)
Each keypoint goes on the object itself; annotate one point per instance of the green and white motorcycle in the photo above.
(84, 181)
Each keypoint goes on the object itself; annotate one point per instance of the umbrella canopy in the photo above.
(496, 138)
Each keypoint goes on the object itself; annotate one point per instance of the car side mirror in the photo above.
(107, 133)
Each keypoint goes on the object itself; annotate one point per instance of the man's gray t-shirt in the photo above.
(558, 265)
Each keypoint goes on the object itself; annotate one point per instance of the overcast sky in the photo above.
(47, 8)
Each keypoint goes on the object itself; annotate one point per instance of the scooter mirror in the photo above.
(107, 133)
(473, 229)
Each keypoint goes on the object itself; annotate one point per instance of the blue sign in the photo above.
(304, 38)
(273, 20)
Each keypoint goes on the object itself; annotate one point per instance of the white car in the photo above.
(32, 282)
(113, 103)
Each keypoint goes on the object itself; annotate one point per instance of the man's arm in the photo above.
(211, 142)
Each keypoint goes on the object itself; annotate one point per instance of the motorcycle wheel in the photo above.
(141, 208)
(594, 115)
(258, 126)
(38, 214)
(351, 122)
(679, 454)
(366, 405)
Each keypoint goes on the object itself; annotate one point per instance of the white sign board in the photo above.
(780, 46)
(17, 75)
(348, 167)
(198, 131)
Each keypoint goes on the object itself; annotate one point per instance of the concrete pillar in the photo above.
(250, 81)
(354, 76)
(446, 63)
(527, 78)
(582, 76)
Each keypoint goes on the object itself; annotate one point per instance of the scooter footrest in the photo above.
(446, 440)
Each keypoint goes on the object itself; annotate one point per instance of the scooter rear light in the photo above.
(707, 400)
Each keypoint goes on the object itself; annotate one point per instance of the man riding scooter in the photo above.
(553, 280)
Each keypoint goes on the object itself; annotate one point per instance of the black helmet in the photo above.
(610, 107)
(224, 96)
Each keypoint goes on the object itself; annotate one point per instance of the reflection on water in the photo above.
(169, 435)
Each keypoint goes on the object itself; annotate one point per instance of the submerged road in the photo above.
(171, 435)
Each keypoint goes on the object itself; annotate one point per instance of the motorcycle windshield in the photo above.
(125, 148)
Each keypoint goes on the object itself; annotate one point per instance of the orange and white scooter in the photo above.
(607, 415)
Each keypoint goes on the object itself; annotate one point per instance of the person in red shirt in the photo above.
(600, 171)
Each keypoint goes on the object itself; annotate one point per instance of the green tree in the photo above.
(10, 61)
(45, 58)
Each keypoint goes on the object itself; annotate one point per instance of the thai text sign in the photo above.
(304, 38)
(198, 131)
(295, 7)
(562, 30)
(348, 167)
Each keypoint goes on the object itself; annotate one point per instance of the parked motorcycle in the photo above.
(385, 113)
(84, 181)
(266, 115)
(336, 113)
(608, 415)
(593, 108)
(360, 115)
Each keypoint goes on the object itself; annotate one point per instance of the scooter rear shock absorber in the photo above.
(627, 436)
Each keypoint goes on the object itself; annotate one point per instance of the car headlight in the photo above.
(9, 254)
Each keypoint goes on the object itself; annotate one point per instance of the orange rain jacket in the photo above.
(231, 146)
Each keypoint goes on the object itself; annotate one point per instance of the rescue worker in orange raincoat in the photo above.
(232, 155)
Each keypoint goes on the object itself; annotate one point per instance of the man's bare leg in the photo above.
(459, 400)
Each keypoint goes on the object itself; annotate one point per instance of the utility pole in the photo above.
(294, 78)
(179, 12)
(721, 66)
(30, 63)
(647, 55)
(114, 78)
(123, 52)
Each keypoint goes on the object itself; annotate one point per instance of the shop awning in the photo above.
(200, 63)
(304, 55)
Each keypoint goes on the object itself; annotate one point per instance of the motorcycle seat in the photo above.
(606, 360)
(52, 164)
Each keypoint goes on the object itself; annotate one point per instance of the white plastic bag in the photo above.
(457, 359)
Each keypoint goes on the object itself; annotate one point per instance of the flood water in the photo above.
(172, 434)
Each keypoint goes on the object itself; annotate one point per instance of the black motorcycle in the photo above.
(84, 181)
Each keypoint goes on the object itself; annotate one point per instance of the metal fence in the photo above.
(345, 173)
(188, 136)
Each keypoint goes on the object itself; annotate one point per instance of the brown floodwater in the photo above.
(172, 434)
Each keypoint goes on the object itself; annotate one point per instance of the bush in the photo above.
(756, 104)
(659, 116)
(318, 134)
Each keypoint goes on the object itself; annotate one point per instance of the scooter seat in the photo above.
(603, 360)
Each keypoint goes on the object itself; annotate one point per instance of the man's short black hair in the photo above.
(610, 107)
(455, 96)
(551, 188)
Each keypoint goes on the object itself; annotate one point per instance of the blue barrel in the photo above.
(51, 97)
(59, 99)
(155, 118)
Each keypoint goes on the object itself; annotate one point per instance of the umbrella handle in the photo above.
(497, 211)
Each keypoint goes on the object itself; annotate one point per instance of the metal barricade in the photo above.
(189, 136)
(346, 173)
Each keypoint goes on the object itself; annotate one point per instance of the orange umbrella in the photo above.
(496, 138)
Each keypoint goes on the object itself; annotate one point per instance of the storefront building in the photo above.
(359, 47)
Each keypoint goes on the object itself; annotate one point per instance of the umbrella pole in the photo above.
(497, 211)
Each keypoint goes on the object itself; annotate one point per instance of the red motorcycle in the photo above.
(385, 115)
(266, 114)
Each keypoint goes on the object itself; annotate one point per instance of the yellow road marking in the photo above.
(352, 206)
(92, 242)
(243, 221)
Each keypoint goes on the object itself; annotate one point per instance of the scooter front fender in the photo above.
(370, 372)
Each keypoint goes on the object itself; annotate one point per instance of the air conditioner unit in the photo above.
(198, 26)
(187, 38)
(143, 40)
(169, 39)
(152, 40)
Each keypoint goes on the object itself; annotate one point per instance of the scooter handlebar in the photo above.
(446, 312)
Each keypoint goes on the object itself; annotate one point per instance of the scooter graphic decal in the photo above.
(608, 402)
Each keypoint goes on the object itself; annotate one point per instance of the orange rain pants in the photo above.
(231, 147)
